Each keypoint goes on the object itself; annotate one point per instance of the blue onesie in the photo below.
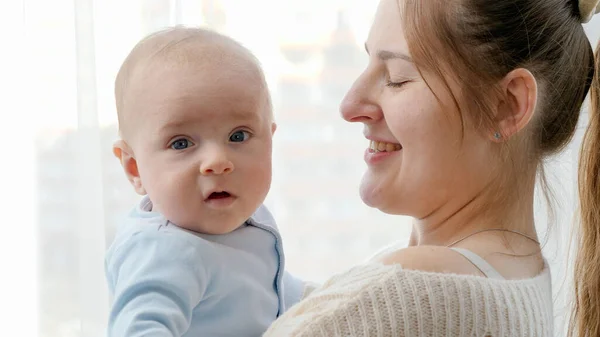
(168, 281)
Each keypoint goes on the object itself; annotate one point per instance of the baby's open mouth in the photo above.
(383, 147)
(218, 195)
(220, 200)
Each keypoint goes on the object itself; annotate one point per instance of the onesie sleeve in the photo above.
(157, 279)
(296, 289)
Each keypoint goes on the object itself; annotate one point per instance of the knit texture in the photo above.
(378, 300)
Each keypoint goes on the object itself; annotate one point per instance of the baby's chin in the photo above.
(215, 225)
(210, 229)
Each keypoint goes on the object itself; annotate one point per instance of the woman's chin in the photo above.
(370, 193)
(374, 195)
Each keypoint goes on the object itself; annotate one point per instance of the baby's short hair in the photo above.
(182, 45)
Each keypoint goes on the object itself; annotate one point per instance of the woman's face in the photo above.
(420, 160)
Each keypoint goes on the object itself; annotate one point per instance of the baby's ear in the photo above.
(273, 128)
(123, 152)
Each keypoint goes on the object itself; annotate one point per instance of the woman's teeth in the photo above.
(384, 147)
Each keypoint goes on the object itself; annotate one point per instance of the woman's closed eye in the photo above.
(396, 84)
(239, 136)
(181, 144)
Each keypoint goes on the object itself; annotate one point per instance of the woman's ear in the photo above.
(516, 108)
(123, 152)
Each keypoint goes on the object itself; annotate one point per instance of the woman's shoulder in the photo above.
(425, 258)
(477, 260)
(426, 266)
(434, 259)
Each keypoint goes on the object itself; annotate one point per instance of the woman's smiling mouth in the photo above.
(378, 151)
(376, 146)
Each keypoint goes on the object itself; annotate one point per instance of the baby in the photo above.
(200, 255)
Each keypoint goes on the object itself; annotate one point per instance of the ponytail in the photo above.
(585, 319)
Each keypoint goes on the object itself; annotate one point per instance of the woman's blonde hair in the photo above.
(585, 319)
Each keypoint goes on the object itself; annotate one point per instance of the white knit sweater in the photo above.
(378, 300)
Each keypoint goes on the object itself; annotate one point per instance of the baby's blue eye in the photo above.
(239, 136)
(181, 144)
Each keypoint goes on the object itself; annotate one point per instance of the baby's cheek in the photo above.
(259, 177)
(169, 184)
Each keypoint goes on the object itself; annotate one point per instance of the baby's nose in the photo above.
(216, 164)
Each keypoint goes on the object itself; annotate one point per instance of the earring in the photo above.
(497, 135)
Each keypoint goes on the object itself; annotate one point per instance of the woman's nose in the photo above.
(359, 104)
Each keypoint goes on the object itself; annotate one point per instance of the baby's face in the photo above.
(202, 140)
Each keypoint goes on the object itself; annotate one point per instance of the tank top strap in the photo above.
(480, 263)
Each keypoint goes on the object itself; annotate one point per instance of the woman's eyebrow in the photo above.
(385, 55)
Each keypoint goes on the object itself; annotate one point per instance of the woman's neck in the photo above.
(487, 210)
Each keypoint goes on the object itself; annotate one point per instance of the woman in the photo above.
(461, 101)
